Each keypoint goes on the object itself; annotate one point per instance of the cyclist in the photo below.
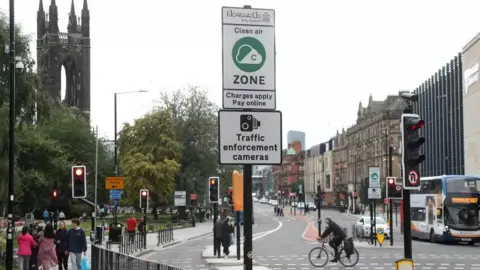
(338, 236)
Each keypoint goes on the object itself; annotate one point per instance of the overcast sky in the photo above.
(330, 54)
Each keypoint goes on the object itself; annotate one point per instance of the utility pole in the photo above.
(319, 208)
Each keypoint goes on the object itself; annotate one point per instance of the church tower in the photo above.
(69, 49)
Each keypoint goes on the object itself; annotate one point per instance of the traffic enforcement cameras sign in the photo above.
(253, 137)
(248, 58)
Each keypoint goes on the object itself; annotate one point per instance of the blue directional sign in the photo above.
(116, 194)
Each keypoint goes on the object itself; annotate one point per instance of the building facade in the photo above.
(440, 105)
(319, 170)
(367, 142)
(340, 167)
(471, 108)
(296, 136)
(291, 170)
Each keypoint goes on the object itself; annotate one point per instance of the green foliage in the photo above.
(195, 119)
(149, 156)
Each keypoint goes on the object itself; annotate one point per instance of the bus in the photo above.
(446, 209)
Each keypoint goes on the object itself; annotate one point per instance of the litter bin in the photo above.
(115, 232)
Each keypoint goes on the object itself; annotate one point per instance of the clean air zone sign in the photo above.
(248, 58)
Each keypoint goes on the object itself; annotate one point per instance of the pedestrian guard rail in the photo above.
(134, 242)
(104, 259)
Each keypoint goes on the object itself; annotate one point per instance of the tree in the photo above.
(195, 120)
(150, 156)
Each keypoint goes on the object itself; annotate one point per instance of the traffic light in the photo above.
(394, 190)
(411, 143)
(79, 182)
(229, 196)
(213, 184)
(54, 194)
(144, 196)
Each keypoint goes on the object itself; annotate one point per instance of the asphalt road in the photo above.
(188, 255)
(290, 251)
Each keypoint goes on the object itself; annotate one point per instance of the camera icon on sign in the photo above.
(248, 122)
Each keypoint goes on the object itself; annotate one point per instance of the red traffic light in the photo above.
(78, 172)
(416, 124)
(54, 193)
(144, 193)
(391, 181)
(212, 181)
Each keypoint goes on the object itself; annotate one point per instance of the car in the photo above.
(300, 205)
(263, 200)
(255, 199)
(273, 202)
(363, 226)
(311, 206)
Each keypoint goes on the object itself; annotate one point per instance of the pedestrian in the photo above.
(47, 257)
(60, 245)
(222, 235)
(46, 216)
(76, 244)
(131, 227)
(25, 245)
(61, 215)
(33, 258)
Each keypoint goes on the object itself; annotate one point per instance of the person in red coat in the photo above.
(25, 245)
(131, 227)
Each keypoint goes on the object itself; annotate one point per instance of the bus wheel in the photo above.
(471, 243)
(432, 237)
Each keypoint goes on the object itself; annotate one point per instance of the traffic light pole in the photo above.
(247, 217)
(214, 218)
(407, 232)
(319, 209)
(390, 173)
(145, 231)
(11, 144)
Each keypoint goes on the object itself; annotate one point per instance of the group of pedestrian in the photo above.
(44, 248)
(224, 228)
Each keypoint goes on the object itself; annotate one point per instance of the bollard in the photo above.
(404, 264)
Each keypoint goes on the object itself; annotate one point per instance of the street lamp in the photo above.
(115, 123)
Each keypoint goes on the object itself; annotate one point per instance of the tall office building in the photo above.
(293, 136)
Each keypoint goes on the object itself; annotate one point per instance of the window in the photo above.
(417, 214)
(328, 181)
(431, 186)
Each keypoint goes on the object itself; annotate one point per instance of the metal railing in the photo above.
(164, 236)
(134, 242)
(103, 259)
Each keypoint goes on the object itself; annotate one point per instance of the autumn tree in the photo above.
(195, 120)
(150, 156)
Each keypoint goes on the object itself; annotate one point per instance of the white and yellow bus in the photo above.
(446, 209)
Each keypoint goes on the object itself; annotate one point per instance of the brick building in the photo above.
(291, 170)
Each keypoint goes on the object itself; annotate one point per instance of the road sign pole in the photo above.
(247, 217)
(390, 173)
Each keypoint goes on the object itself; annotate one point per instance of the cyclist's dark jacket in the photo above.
(335, 229)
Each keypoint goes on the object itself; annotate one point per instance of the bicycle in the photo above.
(323, 252)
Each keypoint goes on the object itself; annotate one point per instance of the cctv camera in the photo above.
(19, 66)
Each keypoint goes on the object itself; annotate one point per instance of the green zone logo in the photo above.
(374, 176)
(248, 54)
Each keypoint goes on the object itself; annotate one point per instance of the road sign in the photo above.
(374, 193)
(114, 182)
(248, 58)
(374, 177)
(193, 196)
(250, 137)
(412, 181)
(180, 198)
(116, 194)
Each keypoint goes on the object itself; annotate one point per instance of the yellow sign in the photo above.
(404, 264)
(380, 236)
(464, 200)
(237, 192)
(114, 182)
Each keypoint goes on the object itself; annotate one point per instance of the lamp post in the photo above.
(115, 135)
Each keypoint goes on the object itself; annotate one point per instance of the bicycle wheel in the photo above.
(318, 257)
(349, 261)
